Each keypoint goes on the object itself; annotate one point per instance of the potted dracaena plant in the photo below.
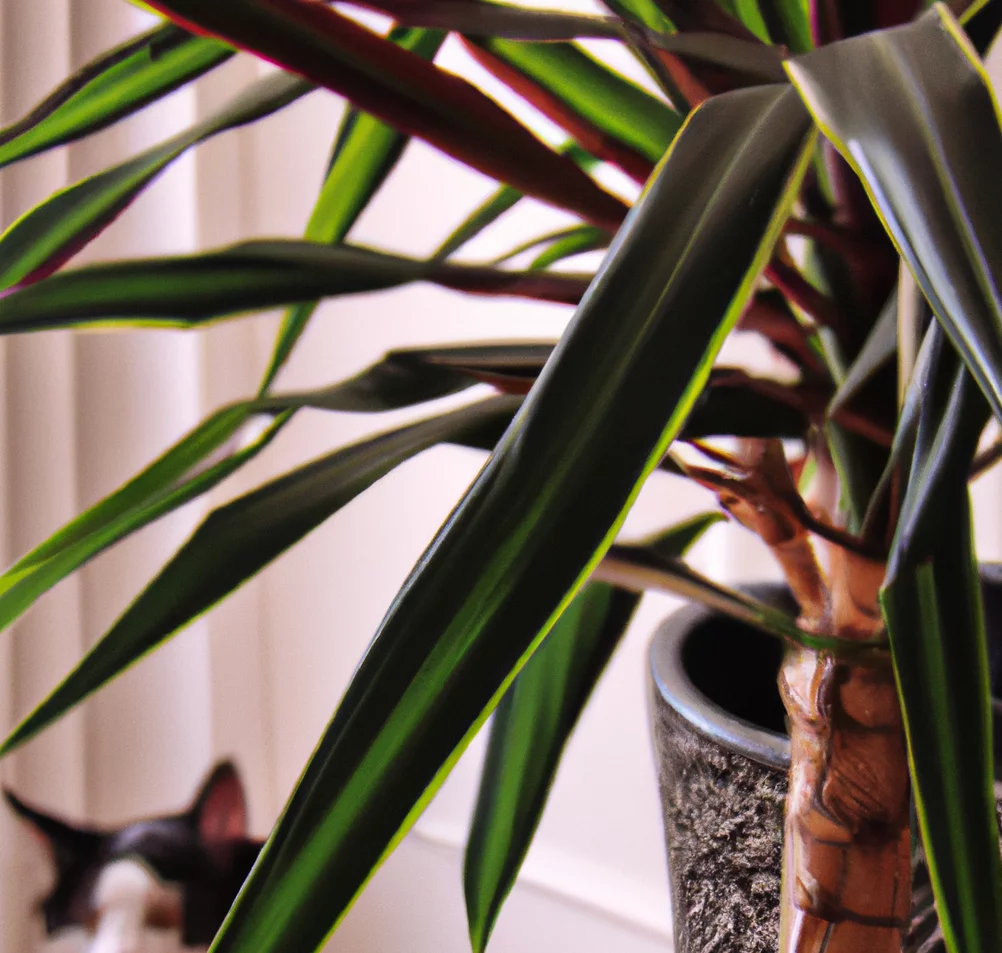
(823, 174)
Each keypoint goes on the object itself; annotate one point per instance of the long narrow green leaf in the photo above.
(48, 235)
(614, 105)
(111, 87)
(403, 90)
(365, 153)
(932, 605)
(191, 290)
(238, 540)
(705, 16)
(540, 515)
(531, 728)
(789, 22)
(587, 234)
(582, 239)
(485, 214)
(927, 149)
(496, 204)
(640, 568)
(204, 457)
(486, 18)
(748, 13)
(644, 12)
(880, 346)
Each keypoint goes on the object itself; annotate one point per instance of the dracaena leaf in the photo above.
(788, 22)
(607, 114)
(365, 152)
(932, 604)
(191, 290)
(111, 87)
(582, 239)
(41, 240)
(747, 12)
(237, 540)
(880, 346)
(531, 728)
(480, 18)
(924, 149)
(642, 12)
(216, 448)
(499, 202)
(641, 568)
(527, 533)
(708, 15)
(403, 90)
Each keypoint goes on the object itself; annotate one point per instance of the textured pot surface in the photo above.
(722, 777)
(722, 757)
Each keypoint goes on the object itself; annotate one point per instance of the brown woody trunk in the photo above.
(847, 863)
(847, 870)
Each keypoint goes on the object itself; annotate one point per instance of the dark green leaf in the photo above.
(539, 516)
(495, 205)
(47, 236)
(789, 22)
(927, 149)
(169, 483)
(492, 208)
(880, 346)
(748, 13)
(705, 15)
(190, 290)
(613, 105)
(643, 12)
(404, 90)
(484, 18)
(111, 87)
(639, 568)
(207, 455)
(753, 61)
(734, 405)
(906, 431)
(238, 540)
(576, 241)
(405, 378)
(932, 604)
(578, 234)
(531, 728)
(364, 154)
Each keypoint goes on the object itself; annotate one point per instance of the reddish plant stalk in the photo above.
(847, 851)
(847, 867)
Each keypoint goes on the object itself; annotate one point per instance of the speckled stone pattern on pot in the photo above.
(723, 821)
(723, 817)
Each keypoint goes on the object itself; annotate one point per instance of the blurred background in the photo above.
(258, 678)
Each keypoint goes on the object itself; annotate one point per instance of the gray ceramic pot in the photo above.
(722, 755)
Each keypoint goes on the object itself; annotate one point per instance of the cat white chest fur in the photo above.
(127, 897)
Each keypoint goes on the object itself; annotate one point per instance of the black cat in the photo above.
(179, 871)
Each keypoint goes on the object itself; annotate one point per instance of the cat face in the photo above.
(177, 873)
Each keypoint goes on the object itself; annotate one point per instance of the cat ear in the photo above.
(69, 845)
(220, 810)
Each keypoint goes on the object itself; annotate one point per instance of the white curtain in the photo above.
(258, 677)
(81, 413)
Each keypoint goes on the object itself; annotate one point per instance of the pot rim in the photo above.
(671, 680)
(715, 722)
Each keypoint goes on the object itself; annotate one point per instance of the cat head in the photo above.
(177, 871)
